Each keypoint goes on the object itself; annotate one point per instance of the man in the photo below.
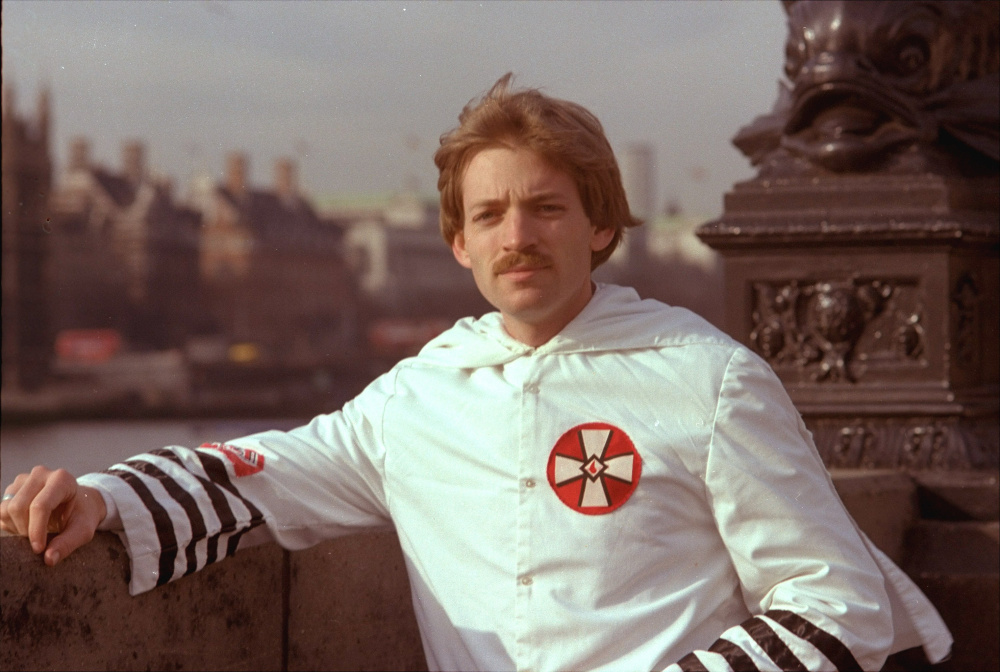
(581, 480)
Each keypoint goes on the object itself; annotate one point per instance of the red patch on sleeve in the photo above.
(245, 462)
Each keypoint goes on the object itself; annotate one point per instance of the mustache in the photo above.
(515, 259)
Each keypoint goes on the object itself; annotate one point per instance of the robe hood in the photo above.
(614, 319)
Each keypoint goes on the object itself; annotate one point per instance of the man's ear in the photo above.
(601, 238)
(458, 249)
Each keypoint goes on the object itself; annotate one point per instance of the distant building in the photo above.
(638, 171)
(680, 269)
(27, 178)
(410, 283)
(671, 239)
(403, 265)
(124, 255)
(273, 272)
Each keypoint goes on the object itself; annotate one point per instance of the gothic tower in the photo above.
(27, 178)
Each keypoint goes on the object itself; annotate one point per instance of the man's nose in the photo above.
(520, 230)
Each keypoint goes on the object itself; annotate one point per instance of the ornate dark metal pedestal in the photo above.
(862, 261)
(874, 298)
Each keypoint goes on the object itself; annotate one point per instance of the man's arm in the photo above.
(178, 510)
(46, 501)
(819, 596)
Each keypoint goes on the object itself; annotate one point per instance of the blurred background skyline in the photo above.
(227, 206)
(358, 93)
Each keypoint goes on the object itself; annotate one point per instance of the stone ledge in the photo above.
(959, 495)
(79, 615)
(954, 548)
(970, 605)
(882, 502)
(342, 605)
(351, 607)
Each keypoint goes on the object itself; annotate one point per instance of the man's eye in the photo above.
(550, 207)
(484, 216)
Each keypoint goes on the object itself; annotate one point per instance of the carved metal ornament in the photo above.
(897, 87)
(907, 443)
(817, 327)
(965, 299)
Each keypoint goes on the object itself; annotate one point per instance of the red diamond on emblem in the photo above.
(594, 468)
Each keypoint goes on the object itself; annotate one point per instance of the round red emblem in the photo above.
(594, 468)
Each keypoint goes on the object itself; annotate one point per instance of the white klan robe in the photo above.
(638, 493)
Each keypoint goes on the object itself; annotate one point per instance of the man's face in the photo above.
(528, 241)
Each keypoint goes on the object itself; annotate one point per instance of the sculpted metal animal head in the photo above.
(901, 87)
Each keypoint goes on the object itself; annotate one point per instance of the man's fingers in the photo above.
(6, 519)
(59, 489)
(18, 497)
(78, 531)
(51, 501)
(82, 516)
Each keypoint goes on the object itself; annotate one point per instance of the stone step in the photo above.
(958, 495)
(883, 502)
(957, 565)
(970, 606)
(953, 547)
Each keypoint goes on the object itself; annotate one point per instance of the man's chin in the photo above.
(521, 301)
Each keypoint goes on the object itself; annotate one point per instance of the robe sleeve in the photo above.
(822, 597)
(182, 509)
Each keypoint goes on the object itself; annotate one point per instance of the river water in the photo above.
(84, 446)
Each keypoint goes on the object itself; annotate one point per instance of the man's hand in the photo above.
(51, 501)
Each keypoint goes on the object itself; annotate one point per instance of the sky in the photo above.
(358, 93)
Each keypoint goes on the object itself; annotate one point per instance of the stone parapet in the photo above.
(342, 605)
(345, 604)
(883, 503)
(80, 616)
(350, 607)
